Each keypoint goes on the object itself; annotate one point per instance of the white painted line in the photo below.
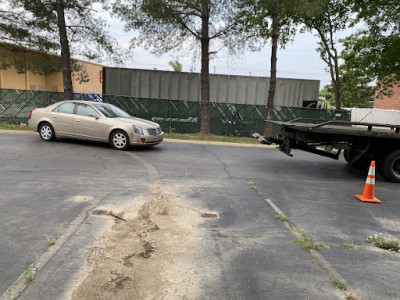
(19, 285)
(318, 256)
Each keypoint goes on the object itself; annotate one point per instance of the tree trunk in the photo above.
(272, 84)
(205, 71)
(65, 53)
(336, 82)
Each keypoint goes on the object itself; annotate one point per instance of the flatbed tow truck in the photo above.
(360, 142)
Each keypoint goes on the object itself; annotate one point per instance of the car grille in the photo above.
(154, 131)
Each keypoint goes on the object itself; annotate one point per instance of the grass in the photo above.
(307, 243)
(6, 126)
(253, 187)
(28, 273)
(60, 229)
(50, 240)
(167, 135)
(388, 243)
(348, 245)
(281, 217)
(338, 284)
(210, 137)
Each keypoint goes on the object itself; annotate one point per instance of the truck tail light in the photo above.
(30, 115)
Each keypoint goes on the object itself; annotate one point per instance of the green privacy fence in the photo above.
(173, 115)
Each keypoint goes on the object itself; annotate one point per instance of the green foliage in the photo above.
(307, 243)
(29, 275)
(281, 217)
(389, 243)
(339, 284)
(348, 245)
(327, 17)
(255, 17)
(163, 26)
(375, 47)
(176, 65)
(355, 86)
(35, 25)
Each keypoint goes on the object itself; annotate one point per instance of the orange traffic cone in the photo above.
(369, 189)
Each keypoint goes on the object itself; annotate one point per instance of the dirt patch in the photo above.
(140, 251)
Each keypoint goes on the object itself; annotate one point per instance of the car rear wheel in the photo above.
(46, 132)
(119, 140)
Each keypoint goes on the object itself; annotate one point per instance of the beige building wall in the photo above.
(11, 79)
(54, 82)
(35, 82)
(94, 85)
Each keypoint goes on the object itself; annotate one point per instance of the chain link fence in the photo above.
(173, 115)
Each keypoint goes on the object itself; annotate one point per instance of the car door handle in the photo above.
(55, 117)
(77, 121)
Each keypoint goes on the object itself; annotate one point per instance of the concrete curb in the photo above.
(325, 265)
(20, 284)
(5, 131)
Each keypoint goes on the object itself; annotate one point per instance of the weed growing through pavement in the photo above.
(28, 273)
(348, 245)
(250, 182)
(281, 217)
(60, 229)
(308, 243)
(253, 187)
(339, 284)
(389, 243)
(50, 240)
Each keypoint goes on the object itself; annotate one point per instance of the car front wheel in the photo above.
(119, 140)
(46, 132)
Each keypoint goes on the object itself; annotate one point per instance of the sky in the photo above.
(298, 60)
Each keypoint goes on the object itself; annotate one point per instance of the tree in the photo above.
(54, 25)
(268, 19)
(355, 85)
(176, 65)
(375, 47)
(327, 17)
(170, 25)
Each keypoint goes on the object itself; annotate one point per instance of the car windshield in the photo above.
(111, 111)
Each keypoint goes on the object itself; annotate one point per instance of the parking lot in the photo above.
(225, 242)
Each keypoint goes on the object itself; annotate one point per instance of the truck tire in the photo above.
(363, 161)
(390, 168)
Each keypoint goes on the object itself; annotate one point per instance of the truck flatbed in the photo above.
(361, 142)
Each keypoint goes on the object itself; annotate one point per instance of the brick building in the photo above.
(13, 76)
(392, 102)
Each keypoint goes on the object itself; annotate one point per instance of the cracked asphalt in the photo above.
(248, 254)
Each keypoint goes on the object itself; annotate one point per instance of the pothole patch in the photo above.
(99, 212)
(208, 215)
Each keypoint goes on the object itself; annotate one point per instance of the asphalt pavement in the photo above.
(246, 253)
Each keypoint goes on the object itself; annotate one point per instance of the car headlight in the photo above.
(138, 129)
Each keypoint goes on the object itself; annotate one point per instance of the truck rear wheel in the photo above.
(390, 168)
(357, 158)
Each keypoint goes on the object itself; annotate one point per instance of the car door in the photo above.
(89, 127)
(63, 119)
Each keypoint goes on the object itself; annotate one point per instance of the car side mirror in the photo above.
(94, 116)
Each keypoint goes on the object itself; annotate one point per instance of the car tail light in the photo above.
(30, 115)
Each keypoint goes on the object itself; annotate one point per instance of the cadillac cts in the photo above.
(94, 121)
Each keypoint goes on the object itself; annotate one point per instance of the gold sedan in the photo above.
(94, 121)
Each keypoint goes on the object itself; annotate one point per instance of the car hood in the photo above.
(139, 122)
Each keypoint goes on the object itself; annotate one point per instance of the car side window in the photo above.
(85, 110)
(66, 108)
